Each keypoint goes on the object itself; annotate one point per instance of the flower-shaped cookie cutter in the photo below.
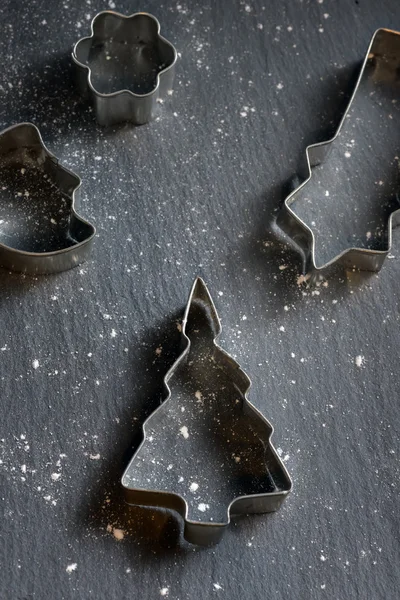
(40, 231)
(206, 450)
(125, 67)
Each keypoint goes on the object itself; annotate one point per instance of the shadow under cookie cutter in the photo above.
(40, 231)
(125, 67)
(380, 68)
(206, 450)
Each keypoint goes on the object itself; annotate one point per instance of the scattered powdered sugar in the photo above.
(71, 567)
(194, 487)
(359, 360)
(35, 363)
(245, 111)
(184, 431)
(118, 533)
(303, 279)
(203, 507)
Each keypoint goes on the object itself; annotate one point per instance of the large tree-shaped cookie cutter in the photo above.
(232, 439)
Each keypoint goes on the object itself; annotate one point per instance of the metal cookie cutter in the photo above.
(375, 101)
(206, 451)
(40, 231)
(126, 67)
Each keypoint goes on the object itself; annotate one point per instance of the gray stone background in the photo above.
(195, 193)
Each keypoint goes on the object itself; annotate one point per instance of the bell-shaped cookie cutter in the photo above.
(206, 451)
(381, 64)
(22, 150)
(125, 67)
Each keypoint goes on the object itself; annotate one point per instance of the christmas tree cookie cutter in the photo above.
(206, 450)
(125, 67)
(40, 231)
(375, 96)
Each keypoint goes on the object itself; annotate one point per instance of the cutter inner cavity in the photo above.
(350, 196)
(204, 443)
(125, 54)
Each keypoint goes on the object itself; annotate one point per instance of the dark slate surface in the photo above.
(194, 193)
